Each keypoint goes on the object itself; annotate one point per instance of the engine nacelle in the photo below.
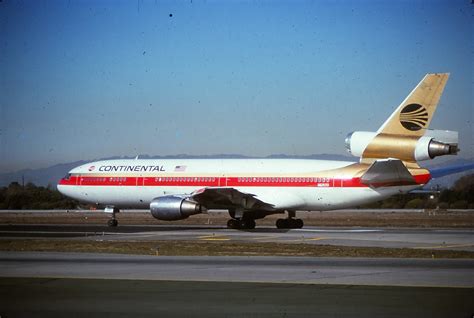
(172, 208)
(428, 148)
(357, 141)
(410, 148)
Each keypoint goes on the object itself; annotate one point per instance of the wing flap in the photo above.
(223, 198)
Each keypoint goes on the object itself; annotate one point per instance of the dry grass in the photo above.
(188, 248)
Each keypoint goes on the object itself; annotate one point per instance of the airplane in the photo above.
(251, 189)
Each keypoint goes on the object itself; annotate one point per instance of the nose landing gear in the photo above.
(112, 222)
(112, 210)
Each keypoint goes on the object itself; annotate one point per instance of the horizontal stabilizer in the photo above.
(441, 172)
(445, 136)
(423, 191)
(387, 173)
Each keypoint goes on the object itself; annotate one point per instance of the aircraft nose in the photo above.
(59, 186)
(63, 182)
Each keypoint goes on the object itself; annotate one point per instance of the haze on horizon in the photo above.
(86, 80)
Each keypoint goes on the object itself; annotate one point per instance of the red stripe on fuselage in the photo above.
(223, 181)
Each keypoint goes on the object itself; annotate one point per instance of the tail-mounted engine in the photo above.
(408, 148)
(172, 208)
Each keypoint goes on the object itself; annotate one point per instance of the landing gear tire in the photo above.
(247, 224)
(289, 223)
(233, 224)
(299, 223)
(112, 223)
(282, 223)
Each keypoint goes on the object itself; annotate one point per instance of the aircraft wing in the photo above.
(223, 198)
(387, 172)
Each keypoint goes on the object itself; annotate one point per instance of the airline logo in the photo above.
(414, 117)
(138, 168)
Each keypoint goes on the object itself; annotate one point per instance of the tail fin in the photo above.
(414, 114)
(404, 135)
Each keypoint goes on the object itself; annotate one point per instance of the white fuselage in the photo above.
(287, 184)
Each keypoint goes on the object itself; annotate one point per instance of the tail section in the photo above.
(414, 114)
(405, 135)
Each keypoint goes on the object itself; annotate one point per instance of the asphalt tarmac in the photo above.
(294, 270)
(452, 239)
(36, 284)
(101, 285)
(65, 297)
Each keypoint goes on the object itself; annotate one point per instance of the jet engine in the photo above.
(410, 148)
(172, 208)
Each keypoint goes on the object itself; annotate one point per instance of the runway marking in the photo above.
(317, 238)
(304, 239)
(264, 237)
(61, 232)
(215, 239)
(209, 236)
(443, 246)
(340, 231)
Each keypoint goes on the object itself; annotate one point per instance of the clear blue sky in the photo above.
(91, 79)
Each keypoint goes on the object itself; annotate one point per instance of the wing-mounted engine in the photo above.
(407, 148)
(172, 208)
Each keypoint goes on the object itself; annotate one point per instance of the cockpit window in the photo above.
(67, 177)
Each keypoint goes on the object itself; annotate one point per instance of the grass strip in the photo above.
(192, 248)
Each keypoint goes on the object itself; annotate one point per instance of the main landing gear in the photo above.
(246, 224)
(112, 210)
(246, 221)
(242, 220)
(290, 222)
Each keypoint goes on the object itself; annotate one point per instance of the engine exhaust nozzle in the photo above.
(436, 148)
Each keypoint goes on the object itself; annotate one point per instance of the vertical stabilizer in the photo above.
(405, 134)
(414, 114)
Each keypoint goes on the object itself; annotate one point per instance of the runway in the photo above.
(419, 238)
(126, 298)
(45, 297)
(97, 285)
(299, 270)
